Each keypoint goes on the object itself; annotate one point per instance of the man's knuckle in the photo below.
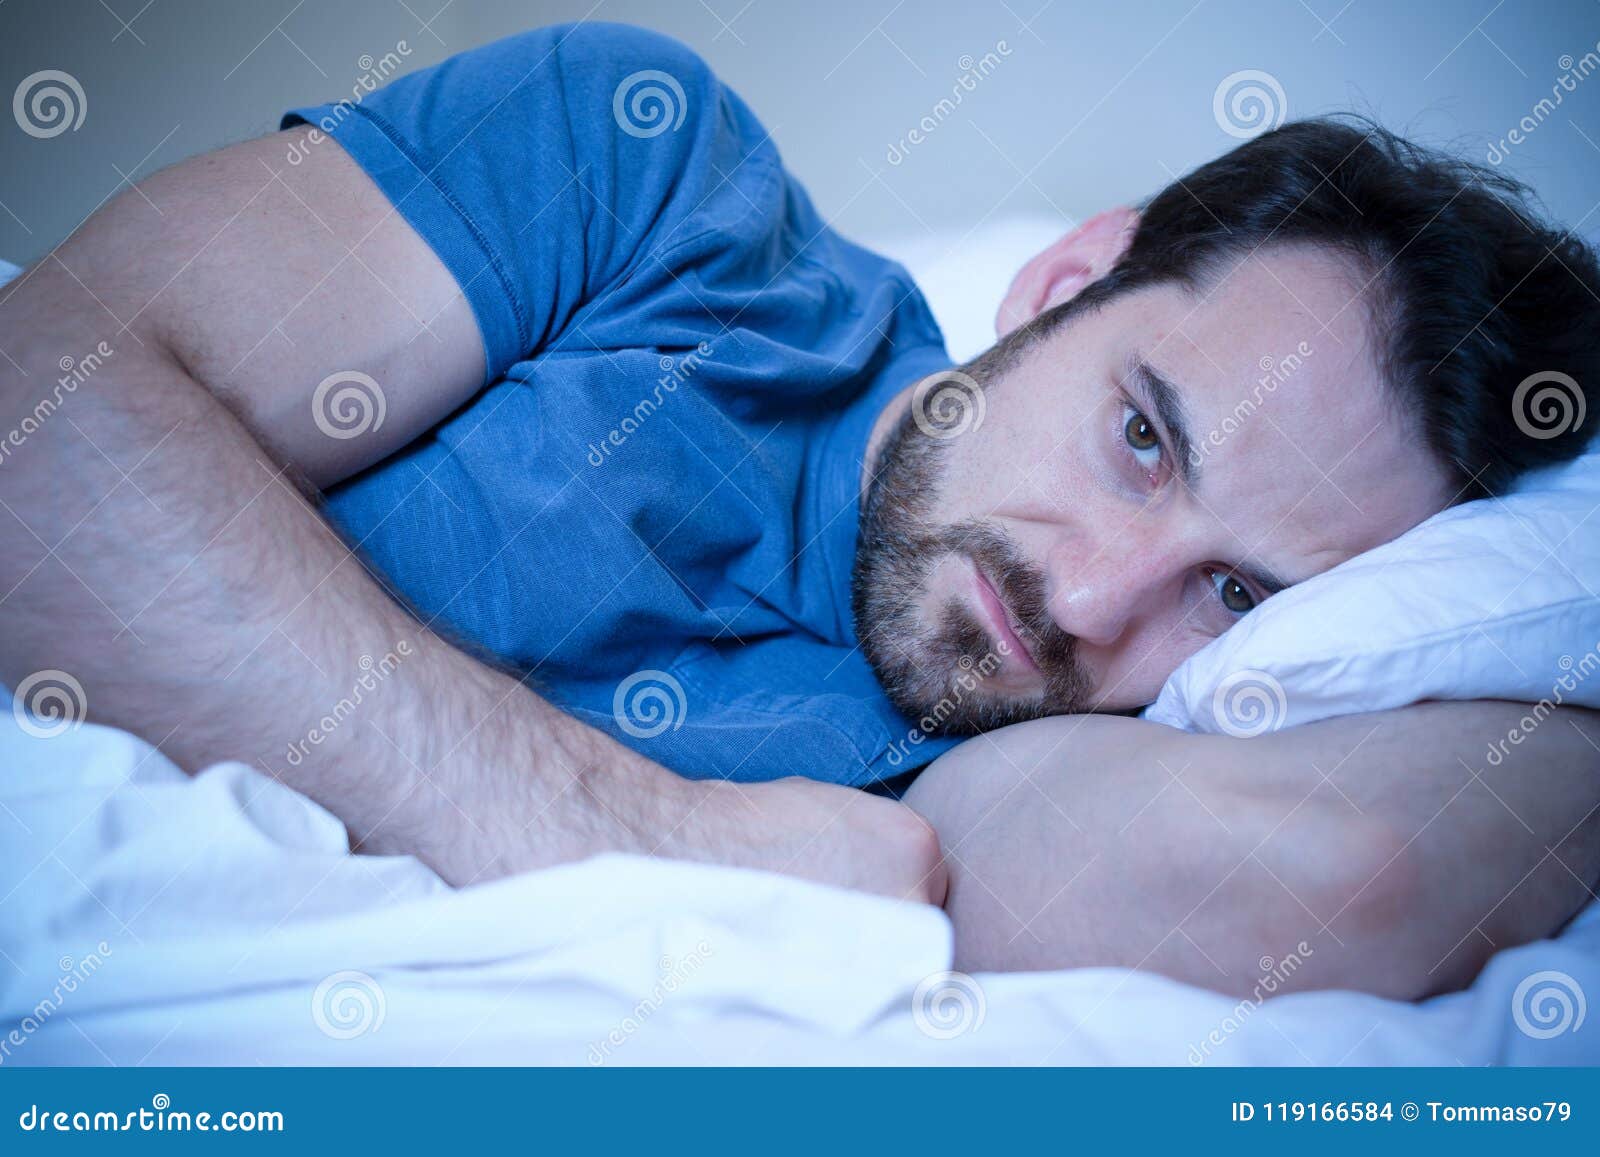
(918, 837)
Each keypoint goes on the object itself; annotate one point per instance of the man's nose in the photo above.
(1100, 586)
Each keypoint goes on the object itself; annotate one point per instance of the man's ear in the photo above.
(1057, 274)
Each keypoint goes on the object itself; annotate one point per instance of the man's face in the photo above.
(1139, 479)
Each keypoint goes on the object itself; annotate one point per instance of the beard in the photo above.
(934, 666)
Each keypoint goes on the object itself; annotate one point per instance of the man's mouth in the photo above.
(1003, 625)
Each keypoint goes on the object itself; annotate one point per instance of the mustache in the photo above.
(902, 538)
(1023, 588)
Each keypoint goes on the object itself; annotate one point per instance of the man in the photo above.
(593, 390)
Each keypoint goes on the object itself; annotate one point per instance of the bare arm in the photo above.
(1380, 852)
(160, 552)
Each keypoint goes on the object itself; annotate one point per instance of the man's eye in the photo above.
(1233, 593)
(1140, 434)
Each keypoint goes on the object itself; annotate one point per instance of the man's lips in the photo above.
(1000, 620)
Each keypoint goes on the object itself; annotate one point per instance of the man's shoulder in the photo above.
(600, 41)
(651, 120)
(589, 78)
(654, 85)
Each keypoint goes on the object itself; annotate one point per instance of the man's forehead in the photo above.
(1263, 308)
(1295, 445)
(1278, 347)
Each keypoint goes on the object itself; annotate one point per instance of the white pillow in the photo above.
(1493, 599)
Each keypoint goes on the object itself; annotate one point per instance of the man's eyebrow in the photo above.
(1166, 400)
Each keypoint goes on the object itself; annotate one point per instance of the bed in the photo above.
(152, 918)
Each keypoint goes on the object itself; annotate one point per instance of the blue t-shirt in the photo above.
(650, 508)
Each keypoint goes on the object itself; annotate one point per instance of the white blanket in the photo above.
(146, 918)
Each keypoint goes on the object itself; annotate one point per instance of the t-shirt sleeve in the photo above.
(542, 169)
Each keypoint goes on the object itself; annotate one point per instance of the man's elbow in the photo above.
(1405, 929)
(1366, 917)
(1299, 894)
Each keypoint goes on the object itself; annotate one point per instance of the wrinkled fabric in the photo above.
(650, 508)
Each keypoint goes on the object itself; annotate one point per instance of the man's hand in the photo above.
(159, 372)
(1382, 852)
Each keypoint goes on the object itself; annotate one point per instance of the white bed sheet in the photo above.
(216, 910)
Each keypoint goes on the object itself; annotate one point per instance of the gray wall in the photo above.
(1085, 105)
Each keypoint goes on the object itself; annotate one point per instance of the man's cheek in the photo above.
(1047, 462)
(1108, 677)
(981, 475)
(1136, 677)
